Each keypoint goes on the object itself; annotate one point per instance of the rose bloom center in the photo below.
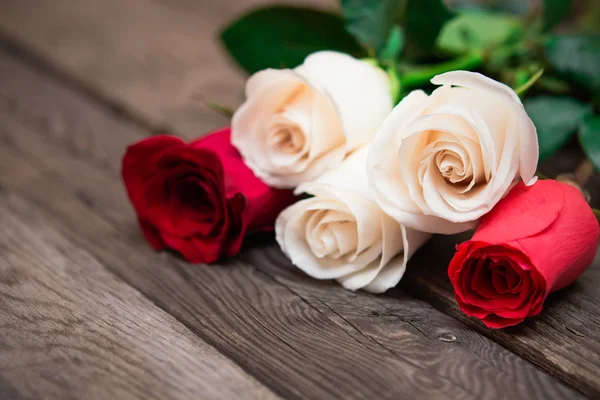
(189, 193)
(331, 234)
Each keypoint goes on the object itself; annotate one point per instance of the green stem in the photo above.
(422, 75)
(521, 90)
(223, 110)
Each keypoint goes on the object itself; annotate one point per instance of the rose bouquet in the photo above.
(356, 152)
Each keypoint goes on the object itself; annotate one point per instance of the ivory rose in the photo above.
(440, 162)
(342, 234)
(298, 123)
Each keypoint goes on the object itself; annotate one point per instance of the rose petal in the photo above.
(394, 269)
(496, 322)
(249, 121)
(342, 234)
(186, 248)
(137, 163)
(291, 235)
(475, 80)
(362, 104)
(517, 216)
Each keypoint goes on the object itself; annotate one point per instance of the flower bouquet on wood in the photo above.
(363, 135)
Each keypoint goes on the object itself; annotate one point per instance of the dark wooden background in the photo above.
(89, 311)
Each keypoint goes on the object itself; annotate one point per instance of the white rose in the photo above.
(297, 124)
(440, 162)
(342, 234)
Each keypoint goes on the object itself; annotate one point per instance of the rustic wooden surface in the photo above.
(72, 329)
(87, 310)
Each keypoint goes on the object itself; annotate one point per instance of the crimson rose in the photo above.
(199, 199)
(537, 240)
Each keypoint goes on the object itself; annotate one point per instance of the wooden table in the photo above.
(89, 311)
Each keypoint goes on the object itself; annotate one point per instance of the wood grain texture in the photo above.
(375, 318)
(564, 339)
(71, 330)
(157, 59)
(301, 338)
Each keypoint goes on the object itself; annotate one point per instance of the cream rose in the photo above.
(342, 234)
(440, 162)
(298, 123)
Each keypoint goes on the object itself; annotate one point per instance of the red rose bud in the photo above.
(199, 199)
(537, 240)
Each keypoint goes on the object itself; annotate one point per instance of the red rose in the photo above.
(199, 199)
(537, 240)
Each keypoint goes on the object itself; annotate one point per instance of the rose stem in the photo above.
(422, 75)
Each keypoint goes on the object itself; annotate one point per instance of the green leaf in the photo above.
(478, 31)
(577, 57)
(393, 47)
(282, 36)
(556, 119)
(370, 21)
(518, 7)
(423, 21)
(555, 11)
(589, 137)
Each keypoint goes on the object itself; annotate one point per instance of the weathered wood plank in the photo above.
(564, 339)
(159, 60)
(70, 329)
(60, 151)
(388, 311)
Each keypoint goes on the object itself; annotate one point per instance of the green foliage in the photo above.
(577, 57)
(390, 54)
(282, 36)
(414, 40)
(370, 21)
(423, 21)
(556, 120)
(478, 31)
(555, 11)
(518, 7)
(589, 137)
(588, 21)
